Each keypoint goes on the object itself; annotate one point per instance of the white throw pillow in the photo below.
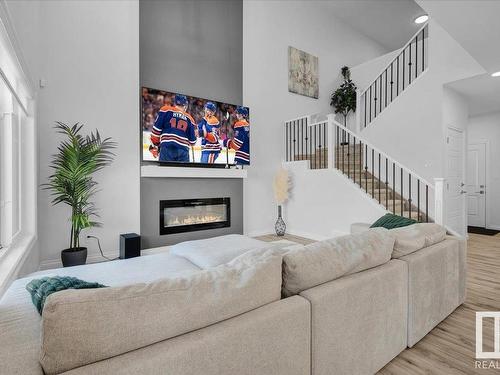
(212, 252)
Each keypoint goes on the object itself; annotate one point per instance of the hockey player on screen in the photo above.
(241, 137)
(174, 131)
(209, 132)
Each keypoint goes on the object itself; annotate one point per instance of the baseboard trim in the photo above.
(49, 264)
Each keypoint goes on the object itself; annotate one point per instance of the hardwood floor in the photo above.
(450, 347)
(288, 237)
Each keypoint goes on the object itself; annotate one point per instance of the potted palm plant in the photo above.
(72, 182)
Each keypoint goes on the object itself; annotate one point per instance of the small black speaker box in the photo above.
(130, 245)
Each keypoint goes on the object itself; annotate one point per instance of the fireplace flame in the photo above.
(194, 219)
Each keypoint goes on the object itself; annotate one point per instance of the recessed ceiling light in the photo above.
(496, 74)
(422, 19)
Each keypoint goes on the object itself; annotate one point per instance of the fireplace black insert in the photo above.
(187, 215)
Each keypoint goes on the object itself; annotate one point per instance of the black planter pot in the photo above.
(74, 257)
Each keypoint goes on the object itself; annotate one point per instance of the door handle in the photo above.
(462, 192)
(480, 192)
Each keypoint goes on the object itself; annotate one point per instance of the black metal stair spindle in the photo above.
(320, 147)
(394, 188)
(397, 77)
(302, 140)
(423, 49)
(337, 148)
(360, 162)
(375, 101)
(426, 203)
(380, 96)
(385, 89)
(315, 147)
(366, 168)
(409, 195)
(343, 151)
(348, 155)
(354, 159)
(286, 141)
(379, 178)
(409, 63)
(294, 140)
(404, 63)
(325, 150)
(402, 203)
(307, 139)
(310, 156)
(418, 199)
(386, 183)
(370, 104)
(416, 56)
(373, 173)
(365, 107)
(392, 78)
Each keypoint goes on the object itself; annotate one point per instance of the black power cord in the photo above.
(99, 244)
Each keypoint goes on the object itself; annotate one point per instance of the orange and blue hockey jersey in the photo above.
(241, 142)
(209, 130)
(174, 129)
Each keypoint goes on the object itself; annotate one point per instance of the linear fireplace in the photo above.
(187, 215)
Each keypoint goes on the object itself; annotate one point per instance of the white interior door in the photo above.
(455, 198)
(476, 185)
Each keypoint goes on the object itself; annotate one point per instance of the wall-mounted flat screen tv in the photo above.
(181, 129)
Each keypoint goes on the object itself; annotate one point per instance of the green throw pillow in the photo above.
(391, 221)
(40, 289)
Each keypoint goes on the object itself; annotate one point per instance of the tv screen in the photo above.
(178, 128)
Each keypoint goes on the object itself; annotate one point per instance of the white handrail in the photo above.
(366, 143)
(397, 56)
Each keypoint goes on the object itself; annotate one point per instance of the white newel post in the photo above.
(357, 125)
(439, 200)
(331, 140)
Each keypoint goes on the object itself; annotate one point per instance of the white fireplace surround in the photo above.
(188, 172)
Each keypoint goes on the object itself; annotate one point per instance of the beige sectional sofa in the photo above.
(339, 306)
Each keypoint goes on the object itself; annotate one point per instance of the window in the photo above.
(17, 150)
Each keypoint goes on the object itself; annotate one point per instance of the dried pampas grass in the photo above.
(281, 185)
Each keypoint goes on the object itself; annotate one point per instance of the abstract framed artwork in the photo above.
(303, 73)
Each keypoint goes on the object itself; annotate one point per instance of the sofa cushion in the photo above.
(328, 260)
(215, 251)
(415, 237)
(390, 221)
(84, 326)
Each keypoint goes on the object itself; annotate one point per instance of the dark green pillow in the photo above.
(40, 289)
(391, 221)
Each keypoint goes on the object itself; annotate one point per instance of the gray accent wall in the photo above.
(195, 48)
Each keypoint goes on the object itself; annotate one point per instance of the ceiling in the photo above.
(388, 22)
(473, 24)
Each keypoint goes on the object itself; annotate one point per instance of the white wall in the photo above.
(325, 203)
(411, 129)
(487, 128)
(88, 54)
(269, 27)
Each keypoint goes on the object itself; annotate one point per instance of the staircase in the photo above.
(328, 144)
